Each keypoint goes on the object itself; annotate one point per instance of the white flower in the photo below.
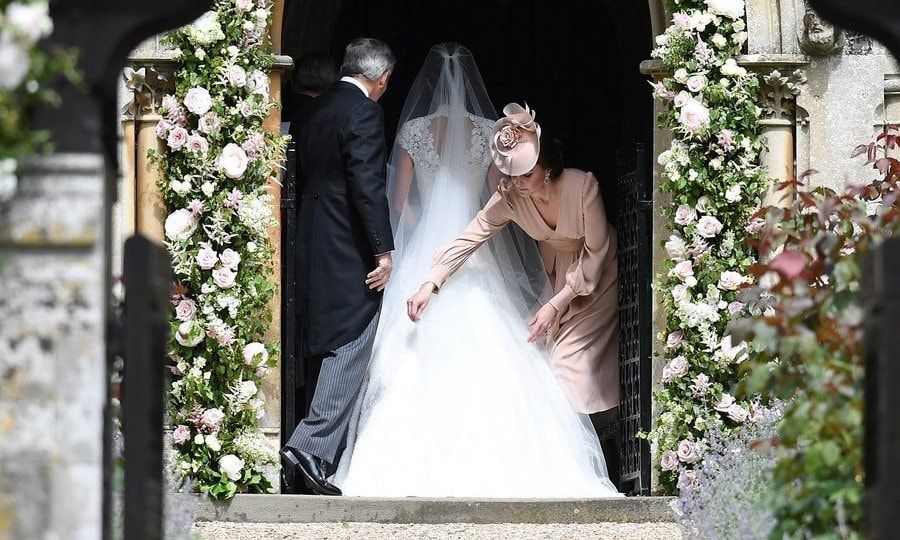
(731, 354)
(237, 76)
(731, 69)
(669, 461)
(708, 227)
(207, 257)
(213, 443)
(730, 280)
(243, 6)
(209, 123)
(681, 98)
(679, 293)
(197, 144)
(258, 83)
(233, 161)
(180, 225)
(224, 277)
(246, 390)
(189, 334)
(207, 188)
(701, 20)
(205, 30)
(701, 385)
(255, 354)
(703, 204)
(676, 247)
(738, 413)
(197, 100)
(230, 258)
(733, 194)
(725, 402)
(733, 9)
(683, 270)
(676, 368)
(185, 310)
(694, 116)
(680, 75)
(674, 338)
(687, 451)
(251, 247)
(231, 466)
(200, 54)
(695, 83)
(198, 439)
(684, 214)
(719, 41)
(31, 21)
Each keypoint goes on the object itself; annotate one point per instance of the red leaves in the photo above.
(790, 264)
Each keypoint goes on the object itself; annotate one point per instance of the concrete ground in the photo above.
(457, 531)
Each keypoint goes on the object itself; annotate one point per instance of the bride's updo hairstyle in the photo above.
(551, 157)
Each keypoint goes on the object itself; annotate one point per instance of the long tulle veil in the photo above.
(450, 92)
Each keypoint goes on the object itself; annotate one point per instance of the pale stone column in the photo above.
(52, 364)
(777, 127)
(891, 109)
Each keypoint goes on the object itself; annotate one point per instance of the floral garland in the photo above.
(217, 168)
(25, 71)
(713, 175)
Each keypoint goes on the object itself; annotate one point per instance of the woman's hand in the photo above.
(417, 303)
(541, 322)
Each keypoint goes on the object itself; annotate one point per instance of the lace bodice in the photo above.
(417, 138)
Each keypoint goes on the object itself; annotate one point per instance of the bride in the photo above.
(460, 404)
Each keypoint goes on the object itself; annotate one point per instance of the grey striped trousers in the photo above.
(324, 429)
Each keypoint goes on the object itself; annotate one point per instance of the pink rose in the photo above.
(209, 123)
(681, 99)
(177, 138)
(162, 129)
(674, 339)
(709, 227)
(683, 270)
(245, 108)
(224, 277)
(725, 402)
(676, 368)
(695, 83)
(243, 6)
(508, 137)
(197, 144)
(185, 310)
(694, 116)
(230, 258)
(685, 214)
(669, 461)
(730, 281)
(687, 451)
(207, 257)
(735, 308)
(181, 434)
(237, 76)
(212, 419)
(679, 292)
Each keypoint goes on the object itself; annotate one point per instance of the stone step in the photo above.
(315, 509)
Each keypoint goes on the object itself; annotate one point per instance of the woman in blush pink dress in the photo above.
(562, 209)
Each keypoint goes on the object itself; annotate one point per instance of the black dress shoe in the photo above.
(311, 468)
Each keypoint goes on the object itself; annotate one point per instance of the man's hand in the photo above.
(541, 322)
(417, 303)
(378, 278)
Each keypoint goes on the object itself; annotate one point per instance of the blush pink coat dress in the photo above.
(580, 258)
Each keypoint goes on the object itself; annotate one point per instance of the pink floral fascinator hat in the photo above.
(516, 140)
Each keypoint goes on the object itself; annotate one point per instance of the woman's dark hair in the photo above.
(551, 157)
(314, 72)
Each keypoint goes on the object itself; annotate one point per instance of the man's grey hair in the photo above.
(368, 57)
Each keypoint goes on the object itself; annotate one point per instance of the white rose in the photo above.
(198, 439)
(733, 194)
(178, 137)
(669, 461)
(251, 247)
(732, 69)
(681, 98)
(696, 83)
(180, 225)
(233, 161)
(259, 83)
(224, 277)
(207, 188)
(738, 413)
(694, 116)
(733, 9)
(231, 466)
(237, 76)
(189, 334)
(681, 75)
(725, 402)
(213, 443)
(197, 100)
(676, 367)
(703, 204)
(684, 214)
(709, 227)
(254, 350)
(719, 41)
(683, 269)
(200, 54)
(738, 25)
(208, 123)
(243, 6)
(207, 257)
(676, 247)
(32, 21)
(730, 281)
(197, 144)
(180, 188)
(679, 292)
(230, 258)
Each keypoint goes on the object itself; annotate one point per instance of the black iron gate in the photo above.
(290, 398)
(635, 221)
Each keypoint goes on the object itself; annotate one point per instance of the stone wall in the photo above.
(51, 351)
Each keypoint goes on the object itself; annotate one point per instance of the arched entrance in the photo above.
(574, 62)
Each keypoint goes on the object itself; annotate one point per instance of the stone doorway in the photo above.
(575, 63)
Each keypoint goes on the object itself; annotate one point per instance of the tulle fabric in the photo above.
(460, 405)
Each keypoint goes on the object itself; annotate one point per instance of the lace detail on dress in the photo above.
(416, 138)
(479, 148)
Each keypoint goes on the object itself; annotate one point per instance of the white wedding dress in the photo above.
(460, 404)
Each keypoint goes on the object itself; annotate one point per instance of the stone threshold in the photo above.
(316, 509)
